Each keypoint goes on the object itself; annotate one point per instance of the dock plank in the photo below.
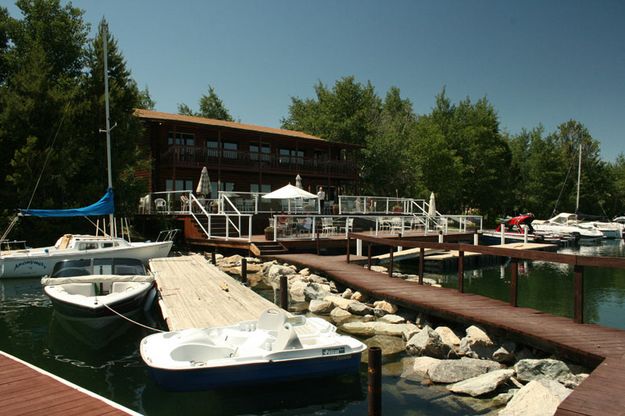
(196, 294)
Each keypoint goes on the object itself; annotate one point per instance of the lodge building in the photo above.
(242, 157)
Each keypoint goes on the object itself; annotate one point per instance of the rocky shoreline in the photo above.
(504, 377)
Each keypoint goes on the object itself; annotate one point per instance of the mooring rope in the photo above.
(130, 320)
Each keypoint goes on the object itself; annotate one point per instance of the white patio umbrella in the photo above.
(289, 192)
(432, 206)
(204, 184)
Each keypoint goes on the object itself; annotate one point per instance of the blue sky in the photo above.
(536, 61)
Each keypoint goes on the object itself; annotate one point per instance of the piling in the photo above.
(375, 381)
(244, 270)
(214, 257)
(284, 292)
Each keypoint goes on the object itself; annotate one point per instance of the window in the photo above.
(264, 188)
(178, 185)
(291, 156)
(263, 152)
(181, 139)
(230, 150)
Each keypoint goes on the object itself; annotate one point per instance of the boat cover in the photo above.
(104, 206)
(53, 281)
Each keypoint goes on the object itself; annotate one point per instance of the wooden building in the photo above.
(242, 157)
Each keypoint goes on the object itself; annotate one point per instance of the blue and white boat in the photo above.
(275, 348)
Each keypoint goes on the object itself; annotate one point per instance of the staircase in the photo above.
(266, 248)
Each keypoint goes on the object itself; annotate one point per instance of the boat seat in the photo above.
(83, 289)
(271, 320)
(287, 339)
(199, 352)
(119, 287)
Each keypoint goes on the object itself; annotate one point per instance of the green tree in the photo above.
(211, 106)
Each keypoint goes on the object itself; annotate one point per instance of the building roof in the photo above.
(160, 116)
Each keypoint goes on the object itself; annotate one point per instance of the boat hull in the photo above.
(255, 373)
(38, 263)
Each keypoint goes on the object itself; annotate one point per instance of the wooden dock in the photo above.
(601, 394)
(196, 294)
(28, 390)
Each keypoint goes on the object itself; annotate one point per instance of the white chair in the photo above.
(160, 204)
(349, 225)
(327, 226)
(397, 224)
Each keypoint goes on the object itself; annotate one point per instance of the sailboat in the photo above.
(37, 262)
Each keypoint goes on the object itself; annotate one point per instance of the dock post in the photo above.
(461, 271)
(525, 235)
(502, 236)
(358, 247)
(244, 270)
(374, 372)
(578, 297)
(476, 239)
(390, 266)
(421, 264)
(440, 237)
(347, 249)
(317, 243)
(214, 257)
(514, 278)
(369, 256)
(284, 292)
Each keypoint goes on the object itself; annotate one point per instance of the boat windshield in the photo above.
(88, 267)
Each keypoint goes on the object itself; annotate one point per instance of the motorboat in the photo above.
(274, 348)
(610, 230)
(566, 225)
(38, 262)
(90, 296)
(515, 229)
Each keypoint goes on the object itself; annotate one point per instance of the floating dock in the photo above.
(28, 390)
(196, 294)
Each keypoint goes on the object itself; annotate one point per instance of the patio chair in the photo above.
(397, 224)
(160, 204)
(349, 225)
(327, 226)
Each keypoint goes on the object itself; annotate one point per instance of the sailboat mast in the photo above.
(579, 177)
(108, 119)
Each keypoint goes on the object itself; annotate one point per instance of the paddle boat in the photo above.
(274, 348)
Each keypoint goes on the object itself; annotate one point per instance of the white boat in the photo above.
(610, 230)
(566, 225)
(37, 262)
(275, 348)
(90, 294)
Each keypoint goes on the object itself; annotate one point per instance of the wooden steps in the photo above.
(267, 248)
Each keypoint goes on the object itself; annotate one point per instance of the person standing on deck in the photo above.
(321, 195)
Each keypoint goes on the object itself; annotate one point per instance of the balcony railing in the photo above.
(190, 156)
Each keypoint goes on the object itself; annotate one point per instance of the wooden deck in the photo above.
(28, 390)
(603, 393)
(196, 294)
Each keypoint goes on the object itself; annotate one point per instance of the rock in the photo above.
(573, 380)
(538, 397)
(368, 318)
(528, 370)
(375, 328)
(448, 337)
(358, 308)
(357, 296)
(320, 307)
(316, 291)
(230, 261)
(338, 301)
(410, 331)
(503, 398)
(482, 384)
(385, 306)
(427, 342)
(347, 294)
(340, 316)
(422, 320)
(477, 344)
(379, 269)
(505, 353)
(389, 345)
(452, 371)
(275, 271)
(296, 290)
(305, 272)
(524, 354)
(313, 278)
(392, 319)
(378, 313)
(418, 367)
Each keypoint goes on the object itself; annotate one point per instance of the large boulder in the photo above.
(320, 307)
(537, 398)
(477, 344)
(357, 296)
(358, 308)
(528, 370)
(505, 353)
(416, 368)
(338, 301)
(452, 371)
(392, 319)
(296, 290)
(347, 293)
(448, 337)
(482, 384)
(272, 276)
(316, 291)
(385, 306)
(340, 316)
(427, 342)
(388, 344)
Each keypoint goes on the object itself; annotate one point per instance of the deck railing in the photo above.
(578, 262)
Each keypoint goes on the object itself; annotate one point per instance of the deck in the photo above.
(196, 294)
(600, 394)
(28, 390)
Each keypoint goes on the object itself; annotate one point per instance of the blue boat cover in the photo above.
(104, 206)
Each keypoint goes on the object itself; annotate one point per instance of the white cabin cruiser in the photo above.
(566, 225)
(275, 348)
(37, 262)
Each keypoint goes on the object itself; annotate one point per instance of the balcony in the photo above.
(192, 157)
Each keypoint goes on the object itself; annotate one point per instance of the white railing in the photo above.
(253, 203)
(359, 204)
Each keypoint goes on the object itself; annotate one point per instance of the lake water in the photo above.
(30, 330)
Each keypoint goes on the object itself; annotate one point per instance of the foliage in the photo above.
(211, 106)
